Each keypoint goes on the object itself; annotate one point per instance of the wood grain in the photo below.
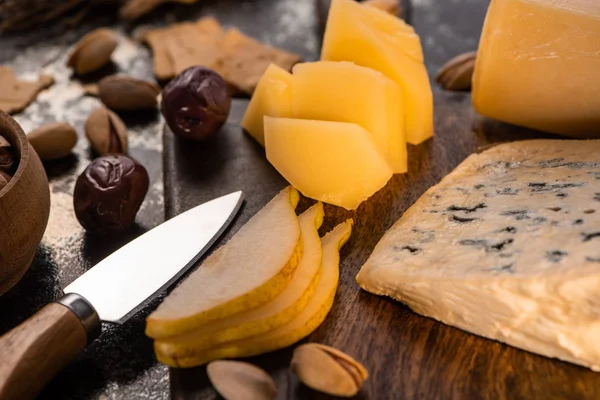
(24, 207)
(35, 351)
(408, 356)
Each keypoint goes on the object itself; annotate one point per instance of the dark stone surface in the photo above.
(120, 364)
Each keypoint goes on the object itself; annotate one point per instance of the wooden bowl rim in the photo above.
(8, 125)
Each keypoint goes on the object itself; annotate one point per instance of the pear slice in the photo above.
(285, 335)
(248, 271)
(277, 312)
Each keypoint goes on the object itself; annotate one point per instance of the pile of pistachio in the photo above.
(104, 129)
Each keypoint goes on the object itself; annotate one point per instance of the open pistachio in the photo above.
(119, 92)
(236, 380)
(106, 132)
(7, 160)
(328, 370)
(457, 73)
(93, 51)
(53, 141)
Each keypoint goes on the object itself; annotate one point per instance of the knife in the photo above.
(113, 290)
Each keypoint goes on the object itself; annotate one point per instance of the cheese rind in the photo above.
(345, 92)
(272, 97)
(538, 65)
(375, 39)
(506, 246)
(334, 162)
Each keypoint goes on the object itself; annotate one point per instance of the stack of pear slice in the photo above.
(271, 285)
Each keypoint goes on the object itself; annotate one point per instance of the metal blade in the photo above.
(137, 272)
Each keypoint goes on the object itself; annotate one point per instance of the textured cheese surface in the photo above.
(538, 65)
(507, 246)
(346, 92)
(375, 39)
(334, 162)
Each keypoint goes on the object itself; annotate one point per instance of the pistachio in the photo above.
(457, 73)
(53, 141)
(93, 51)
(7, 160)
(236, 380)
(4, 179)
(328, 370)
(119, 92)
(106, 132)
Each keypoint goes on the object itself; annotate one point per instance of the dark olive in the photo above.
(196, 103)
(109, 193)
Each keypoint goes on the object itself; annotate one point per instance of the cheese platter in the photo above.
(457, 255)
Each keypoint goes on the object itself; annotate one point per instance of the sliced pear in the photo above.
(248, 271)
(301, 326)
(275, 313)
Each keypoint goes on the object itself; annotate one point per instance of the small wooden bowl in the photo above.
(24, 207)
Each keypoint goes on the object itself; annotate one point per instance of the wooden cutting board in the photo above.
(408, 356)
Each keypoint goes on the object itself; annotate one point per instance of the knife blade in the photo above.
(113, 290)
(154, 260)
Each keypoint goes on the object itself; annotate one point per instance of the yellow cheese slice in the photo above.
(538, 65)
(272, 97)
(334, 162)
(373, 38)
(346, 92)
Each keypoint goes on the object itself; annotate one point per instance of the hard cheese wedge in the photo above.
(287, 334)
(346, 92)
(249, 270)
(538, 65)
(507, 247)
(287, 305)
(272, 97)
(373, 38)
(334, 162)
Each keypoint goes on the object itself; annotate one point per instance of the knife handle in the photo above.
(35, 351)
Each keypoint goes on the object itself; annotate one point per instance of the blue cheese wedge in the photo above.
(507, 246)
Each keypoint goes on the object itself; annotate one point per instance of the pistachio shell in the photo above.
(93, 51)
(457, 73)
(106, 132)
(119, 92)
(328, 370)
(236, 380)
(53, 141)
